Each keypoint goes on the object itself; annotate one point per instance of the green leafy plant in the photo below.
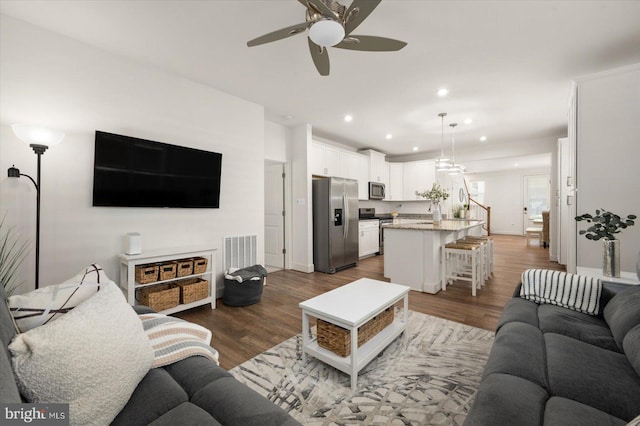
(12, 254)
(457, 210)
(436, 194)
(604, 224)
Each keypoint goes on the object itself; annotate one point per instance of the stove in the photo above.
(385, 219)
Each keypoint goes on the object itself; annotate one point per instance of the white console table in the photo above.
(624, 278)
(128, 265)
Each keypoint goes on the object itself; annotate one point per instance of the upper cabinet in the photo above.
(394, 189)
(325, 160)
(417, 176)
(329, 161)
(378, 171)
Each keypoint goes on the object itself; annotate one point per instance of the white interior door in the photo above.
(536, 199)
(274, 215)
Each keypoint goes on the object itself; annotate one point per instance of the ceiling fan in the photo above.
(331, 24)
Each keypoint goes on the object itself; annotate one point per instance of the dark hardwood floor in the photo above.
(241, 333)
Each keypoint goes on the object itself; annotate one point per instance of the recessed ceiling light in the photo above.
(415, 148)
(389, 136)
(516, 165)
(468, 121)
(288, 117)
(443, 92)
(348, 118)
(483, 138)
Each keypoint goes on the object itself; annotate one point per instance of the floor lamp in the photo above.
(39, 139)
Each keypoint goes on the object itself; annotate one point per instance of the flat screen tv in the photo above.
(132, 172)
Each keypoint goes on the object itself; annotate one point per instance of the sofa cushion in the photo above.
(518, 309)
(593, 376)
(185, 414)
(566, 412)
(570, 291)
(503, 399)
(182, 373)
(156, 395)
(587, 328)
(49, 303)
(92, 358)
(226, 399)
(631, 346)
(622, 313)
(518, 350)
(9, 390)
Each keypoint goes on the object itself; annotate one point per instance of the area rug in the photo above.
(430, 378)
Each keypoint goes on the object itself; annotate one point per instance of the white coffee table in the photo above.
(349, 307)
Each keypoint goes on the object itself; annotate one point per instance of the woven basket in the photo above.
(193, 289)
(185, 267)
(338, 340)
(167, 270)
(160, 297)
(199, 265)
(146, 274)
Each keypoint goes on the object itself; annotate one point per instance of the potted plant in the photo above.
(436, 194)
(457, 211)
(12, 254)
(604, 226)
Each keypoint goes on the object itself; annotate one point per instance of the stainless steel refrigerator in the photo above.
(335, 224)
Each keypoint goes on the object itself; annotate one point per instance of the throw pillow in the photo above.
(49, 303)
(91, 358)
(575, 292)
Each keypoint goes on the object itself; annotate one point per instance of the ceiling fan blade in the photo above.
(319, 6)
(371, 44)
(279, 34)
(320, 57)
(358, 12)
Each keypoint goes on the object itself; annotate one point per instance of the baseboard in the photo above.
(307, 269)
(431, 288)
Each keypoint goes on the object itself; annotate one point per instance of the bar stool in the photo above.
(463, 261)
(488, 253)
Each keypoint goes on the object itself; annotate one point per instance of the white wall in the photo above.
(277, 142)
(301, 213)
(504, 194)
(608, 158)
(53, 80)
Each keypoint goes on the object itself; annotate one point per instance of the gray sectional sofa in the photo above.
(193, 391)
(554, 366)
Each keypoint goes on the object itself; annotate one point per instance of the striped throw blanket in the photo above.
(173, 339)
(575, 292)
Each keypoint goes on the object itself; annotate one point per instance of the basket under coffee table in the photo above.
(350, 307)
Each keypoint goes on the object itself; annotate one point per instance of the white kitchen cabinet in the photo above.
(394, 189)
(368, 240)
(325, 160)
(349, 165)
(417, 176)
(378, 171)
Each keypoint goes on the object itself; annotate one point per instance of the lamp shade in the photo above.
(326, 33)
(37, 134)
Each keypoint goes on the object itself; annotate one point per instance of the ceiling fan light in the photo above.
(326, 33)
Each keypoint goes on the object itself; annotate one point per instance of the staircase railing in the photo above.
(479, 211)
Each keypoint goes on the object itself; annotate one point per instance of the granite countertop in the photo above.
(445, 225)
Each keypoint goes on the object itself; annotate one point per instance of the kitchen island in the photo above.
(413, 251)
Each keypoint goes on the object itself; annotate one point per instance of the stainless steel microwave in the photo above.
(376, 191)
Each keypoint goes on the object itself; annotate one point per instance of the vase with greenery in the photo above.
(457, 211)
(12, 254)
(605, 225)
(436, 195)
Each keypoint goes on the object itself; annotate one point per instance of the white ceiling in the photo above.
(508, 64)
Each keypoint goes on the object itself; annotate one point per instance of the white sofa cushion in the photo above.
(571, 291)
(92, 358)
(49, 303)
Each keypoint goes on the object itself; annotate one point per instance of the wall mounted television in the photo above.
(132, 172)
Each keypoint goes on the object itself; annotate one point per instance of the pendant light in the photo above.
(455, 168)
(443, 164)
